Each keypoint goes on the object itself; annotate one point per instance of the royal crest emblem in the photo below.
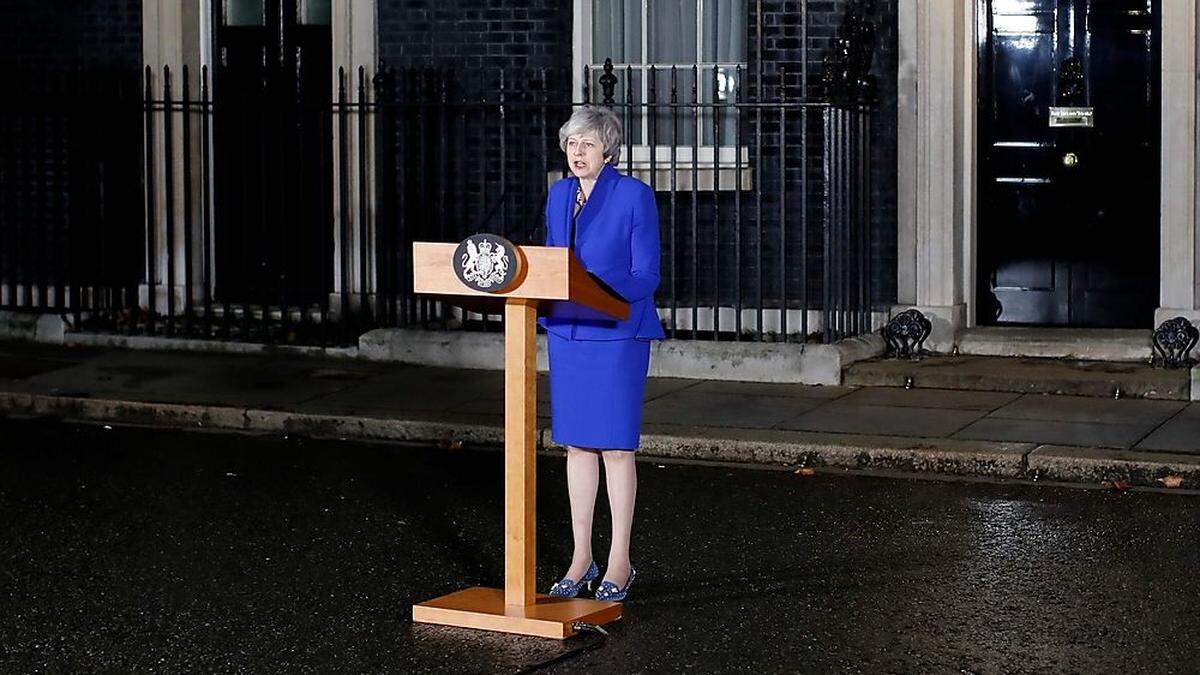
(485, 262)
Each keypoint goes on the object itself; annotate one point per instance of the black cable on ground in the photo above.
(594, 643)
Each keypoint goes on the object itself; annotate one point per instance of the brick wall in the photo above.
(782, 52)
(479, 37)
(76, 64)
(71, 34)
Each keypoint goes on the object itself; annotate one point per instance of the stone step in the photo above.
(1092, 344)
(1026, 375)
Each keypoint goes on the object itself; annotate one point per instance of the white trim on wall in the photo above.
(935, 159)
(1179, 291)
(355, 39)
(581, 43)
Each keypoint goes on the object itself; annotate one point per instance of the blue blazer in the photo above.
(616, 239)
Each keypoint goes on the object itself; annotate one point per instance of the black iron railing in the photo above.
(764, 204)
(181, 213)
(70, 191)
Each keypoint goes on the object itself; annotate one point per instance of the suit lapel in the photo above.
(605, 183)
(569, 212)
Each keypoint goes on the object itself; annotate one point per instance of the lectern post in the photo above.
(538, 275)
(520, 441)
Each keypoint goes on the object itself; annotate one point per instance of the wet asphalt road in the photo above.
(145, 550)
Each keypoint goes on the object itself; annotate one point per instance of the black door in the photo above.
(1068, 215)
(272, 94)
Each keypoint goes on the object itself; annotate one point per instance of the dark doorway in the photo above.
(1068, 215)
(273, 177)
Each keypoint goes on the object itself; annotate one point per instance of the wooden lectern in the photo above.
(553, 280)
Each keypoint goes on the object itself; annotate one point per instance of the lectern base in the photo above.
(484, 609)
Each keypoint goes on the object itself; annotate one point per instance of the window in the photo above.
(703, 40)
(252, 12)
(244, 13)
(314, 12)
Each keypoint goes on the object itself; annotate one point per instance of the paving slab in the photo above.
(489, 384)
(1082, 409)
(17, 368)
(74, 354)
(657, 387)
(1056, 432)
(199, 378)
(413, 388)
(690, 407)
(1179, 434)
(929, 398)
(1190, 411)
(885, 420)
(772, 389)
(495, 406)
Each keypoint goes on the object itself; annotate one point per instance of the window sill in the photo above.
(705, 178)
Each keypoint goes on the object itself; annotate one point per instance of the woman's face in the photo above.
(585, 154)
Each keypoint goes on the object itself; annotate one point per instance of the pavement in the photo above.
(140, 549)
(1130, 441)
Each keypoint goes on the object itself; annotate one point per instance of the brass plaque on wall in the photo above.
(1062, 116)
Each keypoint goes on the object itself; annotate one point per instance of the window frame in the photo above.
(707, 156)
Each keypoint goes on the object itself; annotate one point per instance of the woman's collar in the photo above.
(607, 173)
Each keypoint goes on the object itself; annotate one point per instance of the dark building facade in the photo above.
(750, 165)
(476, 36)
(820, 165)
(97, 35)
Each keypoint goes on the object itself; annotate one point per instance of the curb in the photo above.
(173, 415)
(850, 451)
(753, 446)
(1103, 466)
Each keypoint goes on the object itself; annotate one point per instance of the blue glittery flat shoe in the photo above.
(609, 591)
(566, 588)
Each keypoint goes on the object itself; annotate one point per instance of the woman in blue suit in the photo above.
(598, 368)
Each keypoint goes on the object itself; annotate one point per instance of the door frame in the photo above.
(939, 42)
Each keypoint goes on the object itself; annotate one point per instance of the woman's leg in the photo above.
(583, 479)
(621, 473)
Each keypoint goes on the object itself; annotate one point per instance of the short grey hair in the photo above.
(599, 120)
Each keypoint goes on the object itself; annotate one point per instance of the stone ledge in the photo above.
(162, 343)
(1025, 375)
(446, 349)
(693, 359)
(1088, 344)
(34, 327)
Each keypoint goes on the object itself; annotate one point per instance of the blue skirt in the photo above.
(596, 389)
